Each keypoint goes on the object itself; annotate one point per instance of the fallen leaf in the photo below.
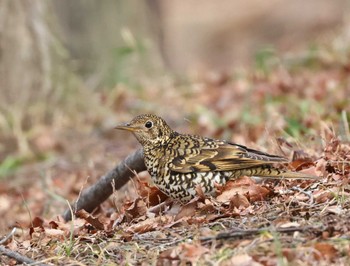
(136, 209)
(191, 252)
(302, 162)
(200, 192)
(309, 171)
(187, 210)
(169, 257)
(321, 167)
(95, 222)
(239, 200)
(336, 177)
(53, 224)
(243, 186)
(149, 224)
(333, 209)
(258, 193)
(37, 225)
(289, 254)
(175, 209)
(151, 194)
(240, 260)
(37, 222)
(54, 232)
(323, 196)
(206, 207)
(325, 251)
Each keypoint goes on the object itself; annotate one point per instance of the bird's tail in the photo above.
(268, 171)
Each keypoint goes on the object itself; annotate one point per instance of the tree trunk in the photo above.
(34, 74)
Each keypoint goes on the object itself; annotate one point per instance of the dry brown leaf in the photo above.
(301, 156)
(243, 186)
(169, 257)
(67, 227)
(289, 254)
(309, 171)
(137, 209)
(94, 221)
(207, 232)
(336, 177)
(197, 220)
(188, 210)
(37, 222)
(212, 216)
(25, 244)
(258, 193)
(53, 224)
(200, 192)
(240, 260)
(37, 225)
(191, 252)
(152, 194)
(149, 224)
(239, 200)
(302, 162)
(325, 251)
(333, 209)
(54, 232)
(174, 210)
(207, 207)
(226, 196)
(321, 167)
(232, 187)
(323, 196)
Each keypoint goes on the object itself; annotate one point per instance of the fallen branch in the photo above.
(249, 232)
(93, 196)
(18, 257)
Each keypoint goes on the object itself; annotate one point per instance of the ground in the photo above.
(297, 108)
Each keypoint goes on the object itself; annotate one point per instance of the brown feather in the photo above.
(221, 156)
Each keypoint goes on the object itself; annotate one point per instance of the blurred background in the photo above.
(248, 71)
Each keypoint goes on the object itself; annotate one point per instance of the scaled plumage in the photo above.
(178, 163)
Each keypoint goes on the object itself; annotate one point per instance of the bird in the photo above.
(179, 163)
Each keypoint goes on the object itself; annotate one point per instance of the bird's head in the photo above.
(148, 129)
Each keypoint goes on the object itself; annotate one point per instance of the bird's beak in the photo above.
(126, 127)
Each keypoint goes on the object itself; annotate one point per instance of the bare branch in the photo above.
(100, 191)
(18, 257)
(237, 232)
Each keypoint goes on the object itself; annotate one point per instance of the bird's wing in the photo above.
(212, 155)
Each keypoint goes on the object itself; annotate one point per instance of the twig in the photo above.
(79, 195)
(248, 232)
(18, 257)
(93, 196)
(161, 206)
(346, 125)
(2, 241)
(307, 193)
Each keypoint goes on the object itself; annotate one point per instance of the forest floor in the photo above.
(297, 107)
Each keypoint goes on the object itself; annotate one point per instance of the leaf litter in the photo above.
(249, 221)
(314, 214)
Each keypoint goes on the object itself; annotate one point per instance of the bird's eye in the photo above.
(148, 124)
